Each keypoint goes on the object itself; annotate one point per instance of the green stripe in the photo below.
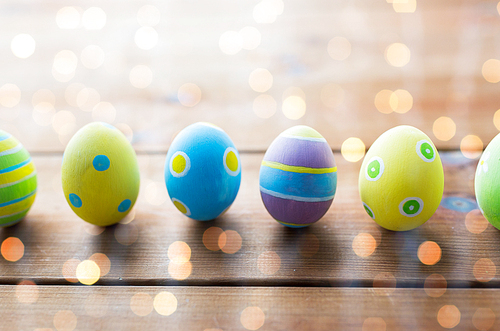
(302, 170)
(17, 190)
(10, 160)
(13, 218)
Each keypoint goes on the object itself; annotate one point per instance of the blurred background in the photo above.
(350, 69)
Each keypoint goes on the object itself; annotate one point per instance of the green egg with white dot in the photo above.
(487, 182)
(401, 180)
(100, 174)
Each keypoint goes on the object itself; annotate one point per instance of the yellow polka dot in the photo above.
(179, 164)
(181, 207)
(232, 161)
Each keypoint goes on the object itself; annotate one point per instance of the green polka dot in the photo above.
(427, 151)
(411, 207)
(368, 210)
(373, 169)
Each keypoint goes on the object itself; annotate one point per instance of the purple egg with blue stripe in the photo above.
(298, 177)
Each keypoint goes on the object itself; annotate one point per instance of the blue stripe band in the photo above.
(294, 197)
(11, 202)
(5, 137)
(16, 166)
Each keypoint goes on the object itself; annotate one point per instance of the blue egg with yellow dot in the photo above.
(202, 171)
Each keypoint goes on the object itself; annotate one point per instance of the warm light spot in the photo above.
(126, 234)
(155, 193)
(475, 222)
(269, 263)
(496, 119)
(65, 320)
(88, 272)
(266, 11)
(308, 245)
(435, 285)
(129, 134)
(294, 107)
(96, 305)
(471, 146)
(141, 304)
(364, 244)
(251, 37)
(374, 324)
(94, 18)
(252, 318)
(498, 8)
(27, 292)
(429, 253)
(332, 95)
(180, 271)
(68, 18)
(10, 95)
(63, 122)
(146, 38)
(484, 270)
(141, 76)
(148, 15)
(102, 261)
(165, 303)
(211, 238)
(397, 55)
(382, 101)
(69, 270)
(104, 112)
(65, 62)
(189, 95)
(92, 57)
(87, 99)
(179, 252)
(93, 229)
(230, 241)
(353, 149)
(401, 101)
(339, 48)
(448, 316)
(264, 106)
(491, 71)
(23, 45)
(12, 249)
(230, 42)
(43, 95)
(71, 93)
(444, 128)
(43, 113)
(384, 284)
(260, 80)
(483, 319)
(404, 6)
(374, 230)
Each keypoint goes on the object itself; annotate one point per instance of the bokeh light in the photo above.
(155, 193)
(179, 252)
(429, 253)
(353, 149)
(91, 229)
(23, 45)
(401, 101)
(104, 112)
(180, 271)
(65, 320)
(211, 238)
(332, 95)
(43, 95)
(404, 6)
(92, 57)
(27, 292)
(43, 113)
(141, 76)
(230, 42)
(10, 95)
(230, 241)
(382, 101)
(448, 316)
(148, 15)
(94, 18)
(12, 249)
(384, 284)
(309, 245)
(269, 263)
(87, 98)
(435, 285)
(339, 48)
(484, 270)
(266, 11)
(364, 244)
(126, 234)
(146, 38)
(264, 106)
(397, 54)
(496, 119)
(374, 324)
(260, 80)
(189, 94)
(63, 122)
(96, 305)
(88, 272)
(68, 18)
(252, 318)
(141, 304)
(165, 303)
(251, 37)
(491, 70)
(69, 270)
(475, 222)
(483, 319)
(471, 146)
(71, 93)
(102, 262)
(64, 66)
(444, 128)
(294, 107)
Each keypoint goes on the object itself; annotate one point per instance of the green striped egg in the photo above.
(17, 180)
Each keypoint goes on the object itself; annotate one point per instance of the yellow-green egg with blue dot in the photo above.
(18, 182)
(202, 171)
(401, 180)
(100, 174)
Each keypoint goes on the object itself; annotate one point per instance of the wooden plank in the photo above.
(240, 308)
(270, 254)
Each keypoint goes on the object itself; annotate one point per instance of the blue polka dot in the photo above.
(101, 162)
(109, 126)
(124, 205)
(459, 204)
(75, 200)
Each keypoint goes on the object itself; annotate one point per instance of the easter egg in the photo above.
(202, 171)
(401, 179)
(487, 182)
(17, 180)
(100, 174)
(298, 177)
